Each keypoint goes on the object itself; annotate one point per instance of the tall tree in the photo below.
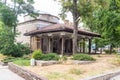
(106, 22)
(18, 7)
(76, 7)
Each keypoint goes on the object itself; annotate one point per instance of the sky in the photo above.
(48, 6)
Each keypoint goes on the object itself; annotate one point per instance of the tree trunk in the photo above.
(75, 31)
(110, 49)
(101, 50)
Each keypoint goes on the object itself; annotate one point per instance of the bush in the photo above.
(84, 57)
(9, 59)
(16, 50)
(50, 56)
(63, 58)
(108, 51)
(2, 57)
(37, 54)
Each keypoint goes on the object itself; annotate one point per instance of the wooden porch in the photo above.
(59, 42)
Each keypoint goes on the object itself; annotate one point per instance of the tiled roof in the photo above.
(60, 27)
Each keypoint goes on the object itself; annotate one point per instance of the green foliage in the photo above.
(84, 57)
(108, 51)
(19, 50)
(75, 71)
(22, 62)
(9, 59)
(63, 58)
(106, 22)
(18, 61)
(37, 54)
(8, 23)
(15, 50)
(50, 56)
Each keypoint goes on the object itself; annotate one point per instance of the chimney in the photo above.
(66, 22)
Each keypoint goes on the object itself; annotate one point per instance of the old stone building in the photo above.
(46, 33)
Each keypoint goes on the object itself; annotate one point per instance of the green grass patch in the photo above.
(59, 76)
(75, 71)
(22, 62)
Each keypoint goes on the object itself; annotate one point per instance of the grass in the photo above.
(22, 62)
(116, 61)
(59, 76)
(75, 71)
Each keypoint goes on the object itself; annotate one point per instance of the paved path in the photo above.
(6, 74)
(115, 78)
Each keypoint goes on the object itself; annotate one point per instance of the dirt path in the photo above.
(55, 72)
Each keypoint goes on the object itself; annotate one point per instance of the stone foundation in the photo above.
(106, 76)
(82, 62)
(46, 63)
(27, 75)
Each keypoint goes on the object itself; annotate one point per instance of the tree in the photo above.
(18, 7)
(106, 22)
(8, 23)
(78, 8)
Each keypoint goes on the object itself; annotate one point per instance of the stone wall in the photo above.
(106, 76)
(27, 75)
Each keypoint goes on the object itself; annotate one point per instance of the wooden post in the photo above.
(49, 40)
(83, 45)
(90, 41)
(62, 49)
(80, 46)
(40, 43)
(30, 44)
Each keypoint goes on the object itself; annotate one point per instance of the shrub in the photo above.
(63, 58)
(108, 51)
(16, 50)
(50, 56)
(9, 59)
(2, 57)
(84, 57)
(37, 54)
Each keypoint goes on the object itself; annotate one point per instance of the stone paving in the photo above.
(6, 74)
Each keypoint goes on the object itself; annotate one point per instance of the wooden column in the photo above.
(40, 43)
(62, 49)
(30, 44)
(49, 40)
(80, 47)
(83, 45)
(89, 50)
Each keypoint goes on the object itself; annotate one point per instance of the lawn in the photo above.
(22, 62)
(103, 64)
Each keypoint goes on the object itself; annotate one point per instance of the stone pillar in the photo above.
(62, 49)
(89, 49)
